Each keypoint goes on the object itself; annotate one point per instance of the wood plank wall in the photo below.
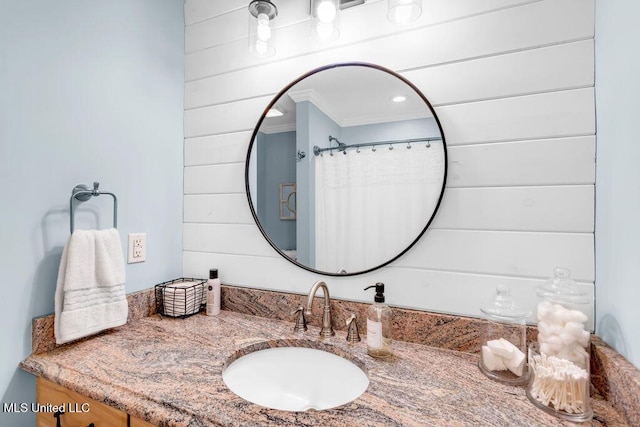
(513, 84)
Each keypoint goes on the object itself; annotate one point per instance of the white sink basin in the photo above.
(295, 379)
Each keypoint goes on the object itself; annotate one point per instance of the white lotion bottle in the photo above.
(379, 325)
(213, 293)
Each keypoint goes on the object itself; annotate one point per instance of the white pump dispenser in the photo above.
(213, 293)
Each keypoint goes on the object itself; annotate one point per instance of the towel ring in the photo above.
(82, 193)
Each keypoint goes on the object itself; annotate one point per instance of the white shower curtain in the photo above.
(370, 205)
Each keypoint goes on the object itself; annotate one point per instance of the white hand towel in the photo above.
(90, 295)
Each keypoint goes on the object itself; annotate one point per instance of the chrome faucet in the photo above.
(327, 329)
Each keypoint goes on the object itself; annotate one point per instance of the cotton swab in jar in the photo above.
(560, 383)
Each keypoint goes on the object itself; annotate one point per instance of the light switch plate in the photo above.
(137, 245)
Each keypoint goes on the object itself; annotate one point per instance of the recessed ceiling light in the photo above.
(274, 112)
(399, 98)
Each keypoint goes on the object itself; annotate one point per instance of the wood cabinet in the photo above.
(79, 411)
(137, 422)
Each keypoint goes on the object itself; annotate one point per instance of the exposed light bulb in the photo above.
(324, 30)
(261, 33)
(326, 20)
(402, 14)
(326, 11)
(399, 98)
(262, 47)
(264, 31)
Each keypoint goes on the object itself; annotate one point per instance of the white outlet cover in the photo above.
(137, 248)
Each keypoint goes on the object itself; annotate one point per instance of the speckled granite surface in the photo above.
(616, 379)
(141, 304)
(421, 327)
(168, 371)
(616, 382)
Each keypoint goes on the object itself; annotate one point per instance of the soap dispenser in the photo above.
(379, 325)
(213, 293)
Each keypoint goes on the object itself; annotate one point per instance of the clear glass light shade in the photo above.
(404, 11)
(326, 19)
(262, 39)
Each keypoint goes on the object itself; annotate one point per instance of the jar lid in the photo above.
(562, 288)
(502, 305)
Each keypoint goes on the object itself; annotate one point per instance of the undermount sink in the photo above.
(295, 378)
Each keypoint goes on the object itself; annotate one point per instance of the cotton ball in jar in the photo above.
(543, 329)
(584, 338)
(574, 328)
(568, 339)
(545, 309)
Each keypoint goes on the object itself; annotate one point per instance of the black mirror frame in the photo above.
(259, 124)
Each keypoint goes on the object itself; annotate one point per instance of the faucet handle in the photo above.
(301, 321)
(352, 330)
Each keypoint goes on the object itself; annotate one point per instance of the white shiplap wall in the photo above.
(512, 82)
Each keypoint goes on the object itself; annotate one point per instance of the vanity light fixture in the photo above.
(325, 19)
(404, 11)
(261, 30)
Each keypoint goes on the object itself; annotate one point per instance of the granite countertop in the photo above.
(168, 371)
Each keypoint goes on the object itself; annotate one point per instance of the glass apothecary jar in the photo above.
(503, 343)
(559, 363)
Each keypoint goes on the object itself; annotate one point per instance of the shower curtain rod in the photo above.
(343, 147)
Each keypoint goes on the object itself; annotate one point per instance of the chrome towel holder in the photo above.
(82, 193)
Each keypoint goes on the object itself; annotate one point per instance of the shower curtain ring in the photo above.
(358, 150)
(373, 148)
(390, 147)
(408, 145)
(428, 144)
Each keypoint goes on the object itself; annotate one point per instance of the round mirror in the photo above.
(346, 169)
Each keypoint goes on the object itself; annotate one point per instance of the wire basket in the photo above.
(181, 297)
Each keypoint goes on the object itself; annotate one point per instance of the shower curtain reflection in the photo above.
(357, 193)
